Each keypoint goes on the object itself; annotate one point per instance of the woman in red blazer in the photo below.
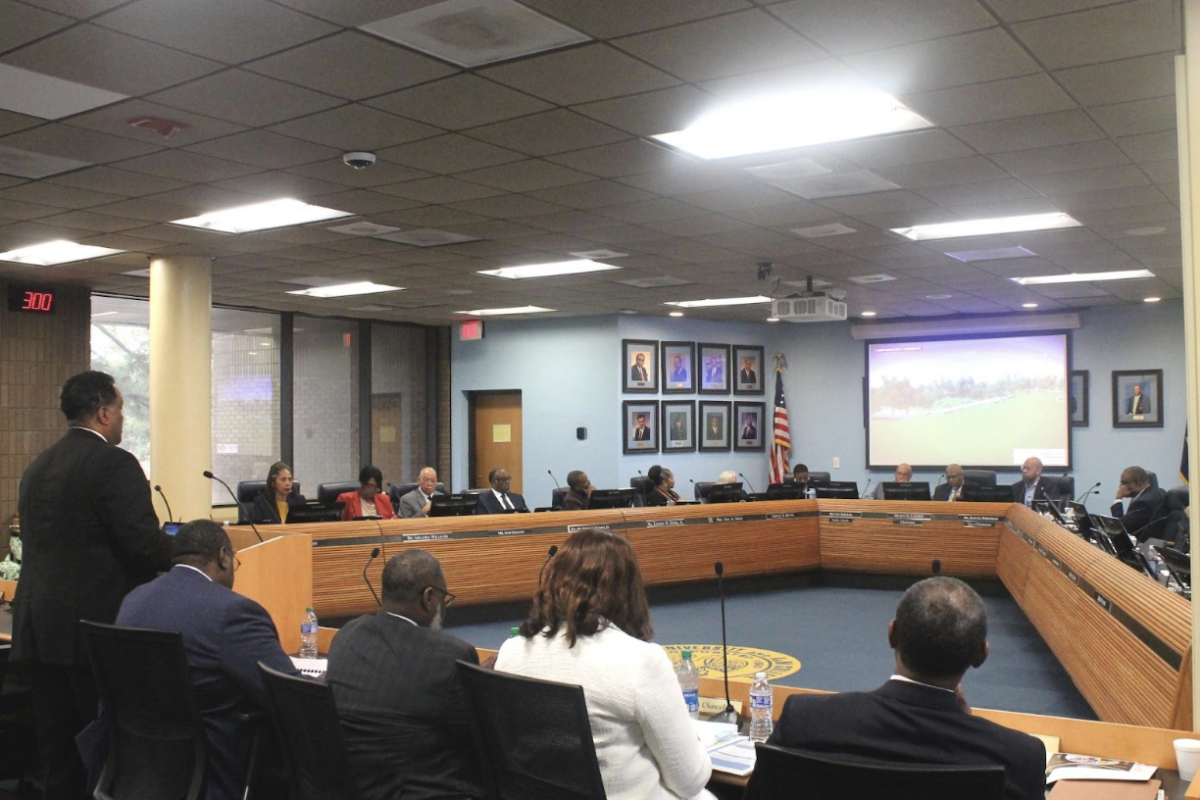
(368, 501)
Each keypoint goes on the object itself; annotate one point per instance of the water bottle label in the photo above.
(760, 701)
(308, 627)
(692, 698)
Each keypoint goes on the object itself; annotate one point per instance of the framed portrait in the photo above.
(714, 369)
(639, 373)
(748, 369)
(714, 425)
(678, 426)
(749, 426)
(1137, 397)
(678, 367)
(639, 421)
(1077, 398)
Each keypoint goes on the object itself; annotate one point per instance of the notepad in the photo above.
(312, 667)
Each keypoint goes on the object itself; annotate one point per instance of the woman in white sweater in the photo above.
(590, 625)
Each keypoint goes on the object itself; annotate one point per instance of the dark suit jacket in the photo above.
(637, 373)
(749, 432)
(225, 635)
(575, 501)
(942, 491)
(1019, 491)
(1144, 509)
(90, 535)
(488, 504)
(911, 723)
(403, 713)
(641, 434)
(263, 510)
(1146, 407)
(747, 376)
(353, 505)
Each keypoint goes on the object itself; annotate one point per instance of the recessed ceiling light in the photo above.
(723, 301)
(1085, 277)
(938, 296)
(60, 251)
(772, 319)
(867, 314)
(548, 270)
(39, 95)
(992, 254)
(261, 216)
(347, 289)
(1152, 300)
(500, 312)
(675, 314)
(1029, 305)
(793, 119)
(980, 227)
(1150, 230)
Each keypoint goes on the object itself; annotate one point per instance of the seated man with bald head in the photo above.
(1030, 488)
(952, 489)
(920, 715)
(417, 502)
(902, 474)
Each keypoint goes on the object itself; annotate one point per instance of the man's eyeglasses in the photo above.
(447, 598)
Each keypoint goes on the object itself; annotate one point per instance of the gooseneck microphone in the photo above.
(1092, 490)
(549, 555)
(748, 483)
(936, 566)
(237, 502)
(729, 714)
(374, 555)
(556, 483)
(866, 489)
(170, 514)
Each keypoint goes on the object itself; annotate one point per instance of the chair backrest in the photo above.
(979, 477)
(1174, 508)
(818, 477)
(533, 736)
(398, 490)
(155, 731)
(778, 772)
(328, 492)
(248, 490)
(1058, 487)
(556, 497)
(702, 488)
(644, 487)
(310, 734)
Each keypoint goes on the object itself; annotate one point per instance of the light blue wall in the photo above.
(568, 373)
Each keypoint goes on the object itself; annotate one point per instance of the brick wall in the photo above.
(325, 402)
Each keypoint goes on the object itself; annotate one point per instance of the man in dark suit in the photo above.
(637, 372)
(1030, 487)
(1145, 516)
(951, 490)
(499, 499)
(1138, 404)
(417, 502)
(402, 710)
(748, 375)
(920, 715)
(90, 535)
(749, 429)
(225, 635)
(641, 433)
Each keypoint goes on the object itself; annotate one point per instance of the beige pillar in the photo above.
(181, 384)
(1187, 96)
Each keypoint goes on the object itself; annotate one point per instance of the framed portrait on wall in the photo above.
(714, 425)
(639, 420)
(678, 367)
(748, 363)
(714, 368)
(678, 426)
(1077, 398)
(749, 425)
(1137, 397)
(639, 373)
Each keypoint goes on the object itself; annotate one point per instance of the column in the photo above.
(181, 384)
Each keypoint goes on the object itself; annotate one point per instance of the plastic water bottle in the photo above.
(514, 631)
(761, 703)
(689, 682)
(308, 634)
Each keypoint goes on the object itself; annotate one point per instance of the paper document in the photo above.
(710, 733)
(735, 756)
(312, 667)
(1071, 766)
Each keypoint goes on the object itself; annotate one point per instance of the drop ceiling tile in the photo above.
(716, 47)
(381, 174)
(449, 154)
(1063, 158)
(1026, 133)
(849, 26)
(1128, 215)
(364, 201)
(651, 211)
(1123, 30)
(245, 98)
(278, 184)
(264, 149)
(548, 133)
(1112, 198)
(439, 190)
(525, 176)
(109, 60)
(969, 193)
(12, 209)
(24, 23)
(205, 197)
(794, 214)
(698, 226)
(1159, 146)
(594, 194)
(79, 9)
(1137, 116)
(994, 100)
(651, 113)
(624, 159)
(356, 127)
(185, 166)
(148, 210)
(116, 181)
(975, 57)
(91, 221)
(1162, 171)
(508, 206)
(973, 169)
(569, 222)
(901, 149)
(1120, 81)
(438, 217)
(620, 17)
(114, 119)
(877, 203)
(689, 179)
(739, 198)
(580, 75)
(1063, 183)
(476, 101)
(11, 122)
(1006, 208)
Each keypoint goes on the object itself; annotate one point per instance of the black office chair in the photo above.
(328, 492)
(248, 490)
(1058, 487)
(818, 477)
(979, 477)
(533, 737)
(1174, 508)
(398, 490)
(701, 490)
(310, 734)
(644, 487)
(780, 772)
(17, 752)
(156, 744)
(1153, 476)
(556, 497)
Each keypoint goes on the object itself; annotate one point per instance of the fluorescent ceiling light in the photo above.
(723, 301)
(1152, 300)
(1029, 305)
(981, 227)
(261, 216)
(347, 289)
(47, 254)
(867, 314)
(675, 314)
(1085, 277)
(500, 312)
(793, 119)
(39, 95)
(548, 270)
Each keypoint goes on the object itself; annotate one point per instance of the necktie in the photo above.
(506, 502)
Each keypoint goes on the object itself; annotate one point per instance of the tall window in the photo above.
(121, 347)
(325, 402)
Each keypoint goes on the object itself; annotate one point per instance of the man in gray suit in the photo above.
(393, 677)
(416, 502)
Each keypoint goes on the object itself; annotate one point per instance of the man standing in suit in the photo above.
(641, 433)
(416, 503)
(90, 535)
(920, 715)
(225, 635)
(499, 499)
(1138, 404)
(638, 373)
(952, 489)
(1030, 487)
(1144, 517)
(393, 677)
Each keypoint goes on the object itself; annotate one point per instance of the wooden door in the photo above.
(387, 449)
(495, 437)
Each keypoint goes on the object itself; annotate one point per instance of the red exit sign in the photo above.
(33, 301)
(470, 330)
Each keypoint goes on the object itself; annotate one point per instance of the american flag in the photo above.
(781, 441)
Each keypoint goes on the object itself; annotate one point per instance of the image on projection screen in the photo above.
(986, 402)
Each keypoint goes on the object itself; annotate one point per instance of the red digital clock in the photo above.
(23, 299)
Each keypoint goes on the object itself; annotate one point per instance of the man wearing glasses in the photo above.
(225, 635)
(393, 677)
(1143, 519)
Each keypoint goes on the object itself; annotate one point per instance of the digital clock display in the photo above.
(33, 301)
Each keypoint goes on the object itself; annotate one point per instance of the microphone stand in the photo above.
(170, 514)
(729, 714)
(237, 502)
(374, 555)
(748, 483)
(549, 555)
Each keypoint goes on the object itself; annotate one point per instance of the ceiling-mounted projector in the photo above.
(816, 308)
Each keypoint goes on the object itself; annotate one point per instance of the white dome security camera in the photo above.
(359, 160)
